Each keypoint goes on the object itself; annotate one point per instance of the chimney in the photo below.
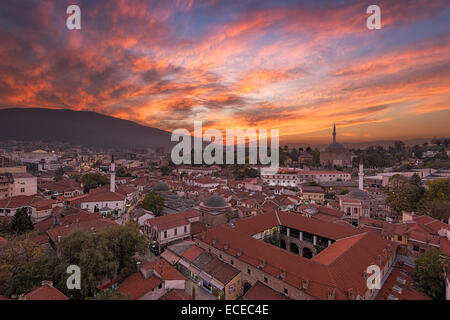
(138, 266)
(305, 284)
(59, 238)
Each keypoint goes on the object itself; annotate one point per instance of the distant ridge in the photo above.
(79, 128)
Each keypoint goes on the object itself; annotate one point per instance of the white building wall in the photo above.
(90, 206)
(24, 186)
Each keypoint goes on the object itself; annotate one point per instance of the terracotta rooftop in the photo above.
(176, 294)
(45, 293)
(172, 220)
(260, 291)
(136, 286)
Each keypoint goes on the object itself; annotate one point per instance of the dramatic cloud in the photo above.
(294, 65)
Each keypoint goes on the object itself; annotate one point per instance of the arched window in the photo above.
(294, 248)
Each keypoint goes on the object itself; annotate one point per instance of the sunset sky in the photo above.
(297, 66)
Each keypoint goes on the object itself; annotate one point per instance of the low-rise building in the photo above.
(171, 228)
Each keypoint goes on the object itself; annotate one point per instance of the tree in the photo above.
(402, 194)
(165, 170)
(122, 173)
(437, 201)
(153, 202)
(100, 256)
(59, 174)
(93, 180)
(21, 222)
(16, 257)
(31, 274)
(429, 273)
(439, 189)
(436, 208)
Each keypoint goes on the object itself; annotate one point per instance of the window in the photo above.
(286, 291)
(160, 286)
(220, 256)
(22, 189)
(165, 234)
(176, 231)
(248, 271)
(416, 248)
(266, 280)
(232, 262)
(185, 229)
(399, 238)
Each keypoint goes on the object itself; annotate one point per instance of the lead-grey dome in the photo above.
(161, 186)
(358, 194)
(216, 201)
(336, 145)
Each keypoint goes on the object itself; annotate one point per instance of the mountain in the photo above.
(78, 128)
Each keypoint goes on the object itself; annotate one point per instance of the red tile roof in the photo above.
(172, 220)
(92, 225)
(192, 253)
(104, 196)
(401, 276)
(333, 231)
(176, 295)
(339, 267)
(46, 293)
(136, 286)
(163, 269)
(260, 291)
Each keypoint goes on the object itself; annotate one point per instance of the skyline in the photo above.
(291, 65)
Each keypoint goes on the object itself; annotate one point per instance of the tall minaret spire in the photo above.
(334, 133)
(361, 175)
(112, 171)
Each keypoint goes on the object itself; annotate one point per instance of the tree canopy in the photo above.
(429, 273)
(93, 180)
(21, 222)
(154, 203)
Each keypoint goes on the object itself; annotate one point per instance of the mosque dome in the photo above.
(336, 145)
(358, 194)
(161, 187)
(216, 201)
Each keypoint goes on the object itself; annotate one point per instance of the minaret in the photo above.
(334, 133)
(112, 171)
(361, 174)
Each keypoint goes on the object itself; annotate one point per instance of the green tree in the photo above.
(100, 256)
(439, 189)
(429, 273)
(93, 180)
(165, 170)
(21, 222)
(31, 274)
(15, 258)
(436, 208)
(59, 174)
(122, 173)
(154, 203)
(402, 194)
